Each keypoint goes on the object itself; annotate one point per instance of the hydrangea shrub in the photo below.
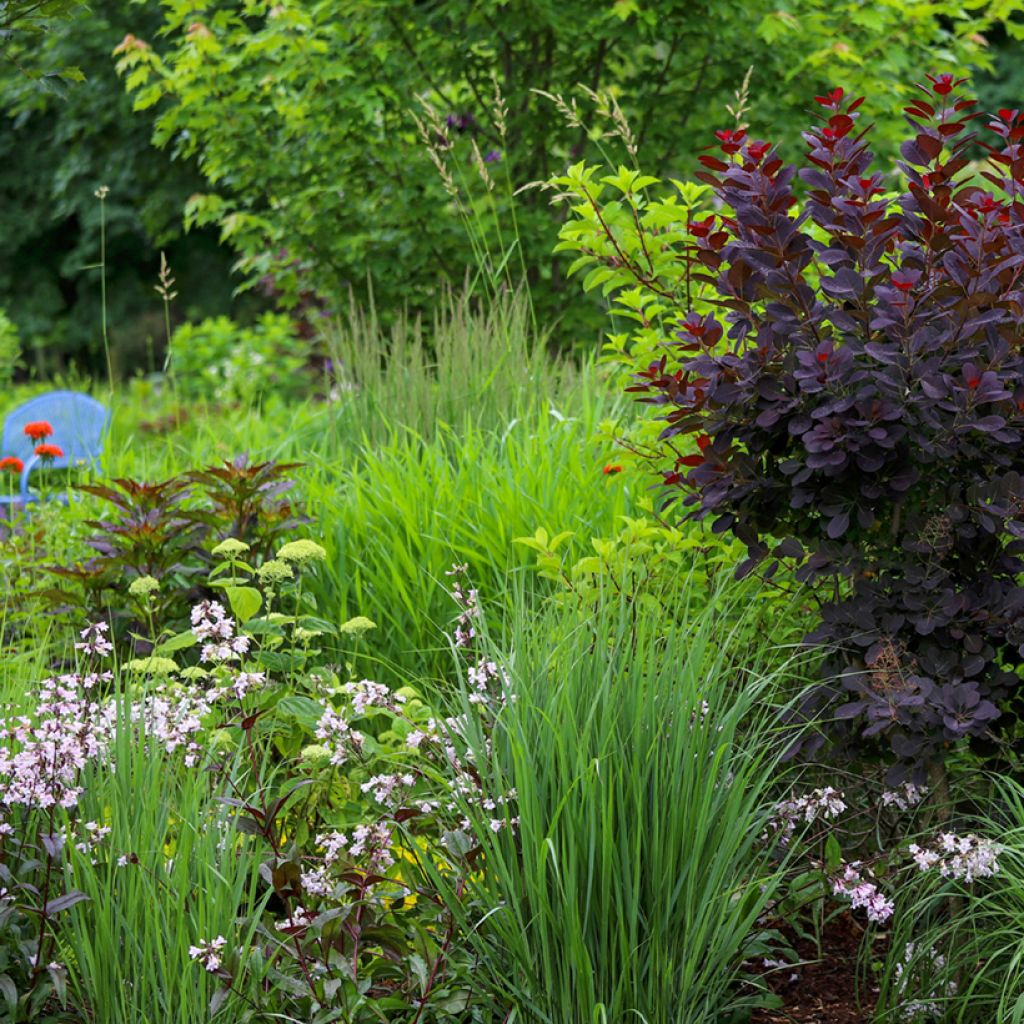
(840, 374)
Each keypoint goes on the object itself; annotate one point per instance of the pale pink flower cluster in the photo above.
(480, 676)
(468, 601)
(389, 789)
(497, 824)
(417, 737)
(171, 719)
(94, 640)
(466, 791)
(42, 758)
(299, 919)
(209, 954)
(932, 1007)
(904, 796)
(333, 843)
(317, 881)
(826, 803)
(338, 736)
(366, 694)
(240, 684)
(215, 630)
(964, 858)
(94, 835)
(862, 894)
(373, 841)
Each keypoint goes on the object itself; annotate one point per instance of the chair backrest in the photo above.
(78, 423)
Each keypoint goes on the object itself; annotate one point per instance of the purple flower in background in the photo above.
(492, 156)
(461, 122)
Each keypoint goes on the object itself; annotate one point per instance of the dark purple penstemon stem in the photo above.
(435, 969)
(43, 912)
(266, 827)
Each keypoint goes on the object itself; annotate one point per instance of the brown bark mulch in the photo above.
(825, 989)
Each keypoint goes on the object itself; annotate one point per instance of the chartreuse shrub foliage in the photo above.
(840, 384)
(303, 115)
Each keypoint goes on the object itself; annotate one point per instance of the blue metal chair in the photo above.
(79, 423)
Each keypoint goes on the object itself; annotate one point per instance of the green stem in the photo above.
(102, 194)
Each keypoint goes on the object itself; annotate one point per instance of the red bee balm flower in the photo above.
(610, 469)
(39, 431)
(49, 451)
(11, 464)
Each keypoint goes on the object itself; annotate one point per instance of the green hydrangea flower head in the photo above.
(143, 586)
(316, 755)
(221, 739)
(302, 551)
(230, 548)
(274, 571)
(153, 666)
(358, 626)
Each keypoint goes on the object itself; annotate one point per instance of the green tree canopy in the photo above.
(302, 115)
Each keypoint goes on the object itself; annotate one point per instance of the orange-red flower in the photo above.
(49, 451)
(609, 469)
(11, 464)
(38, 431)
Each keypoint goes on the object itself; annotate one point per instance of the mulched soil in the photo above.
(822, 991)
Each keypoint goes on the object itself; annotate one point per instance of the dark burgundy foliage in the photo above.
(246, 503)
(164, 529)
(864, 416)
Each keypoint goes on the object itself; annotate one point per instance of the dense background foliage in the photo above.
(60, 141)
(302, 116)
(290, 129)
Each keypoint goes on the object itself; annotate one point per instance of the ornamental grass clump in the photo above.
(629, 879)
(841, 376)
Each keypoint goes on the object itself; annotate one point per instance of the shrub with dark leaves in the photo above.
(161, 530)
(851, 365)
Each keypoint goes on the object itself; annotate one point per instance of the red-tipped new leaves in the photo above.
(858, 397)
